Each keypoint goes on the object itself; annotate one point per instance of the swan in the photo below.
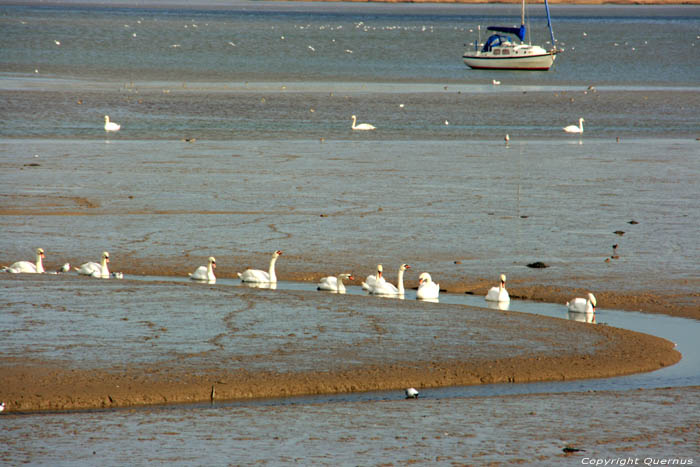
(256, 275)
(334, 284)
(205, 273)
(498, 294)
(574, 128)
(582, 305)
(111, 126)
(385, 288)
(412, 393)
(361, 126)
(427, 289)
(93, 269)
(372, 280)
(28, 267)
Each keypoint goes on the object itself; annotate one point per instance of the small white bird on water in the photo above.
(361, 126)
(507, 138)
(2, 406)
(111, 126)
(575, 129)
(412, 393)
(495, 82)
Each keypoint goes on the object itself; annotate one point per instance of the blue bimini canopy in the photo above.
(494, 41)
(520, 32)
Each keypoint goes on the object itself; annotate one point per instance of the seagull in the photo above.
(495, 82)
(2, 406)
(507, 138)
(412, 393)
(64, 268)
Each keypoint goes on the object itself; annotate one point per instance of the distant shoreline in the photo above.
(220, 4)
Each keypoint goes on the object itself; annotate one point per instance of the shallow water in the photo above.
(434, 184)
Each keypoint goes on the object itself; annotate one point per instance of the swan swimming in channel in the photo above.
(575, 129)
(111, 126)
(98, 270)
(385, 288)
(361, 126)
(582, 305)
(427, 289)
(498, 294)
(334, 284)
(205, 273)
(257, 275)
(27, 267)
(372, 279)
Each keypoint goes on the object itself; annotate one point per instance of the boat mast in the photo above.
(549, 24)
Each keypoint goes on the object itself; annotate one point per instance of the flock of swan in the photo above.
(375, 284)
(113, 127)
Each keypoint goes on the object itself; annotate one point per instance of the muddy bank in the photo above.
(547, 350)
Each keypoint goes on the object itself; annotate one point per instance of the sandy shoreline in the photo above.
(29, 384)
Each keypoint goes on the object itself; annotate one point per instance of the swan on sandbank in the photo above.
(498, 294)
(372, 279)
(205, 273)
(334, 284)
(27, 267)
(111, 126)
(98, 270)
(388, 289)
(575, 129)
(582, 305)
(427, 289)
(257, 275)
(361, 126)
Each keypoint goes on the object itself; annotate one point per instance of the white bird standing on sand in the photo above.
(334, 284)
(205, 273)
(361, 126)
(2, 406)
(498, 294)
(111, 126)
(27, 267)
(98, 270)
(412, 393)
(385, 288)
(259, 276)
(582, 305)
(575, 129)
(372, 279)
(427, 289)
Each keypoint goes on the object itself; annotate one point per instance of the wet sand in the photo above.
(343, 344)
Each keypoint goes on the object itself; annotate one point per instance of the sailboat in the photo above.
(500, 52)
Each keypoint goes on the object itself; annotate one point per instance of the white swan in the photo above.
(93, 269)
(427, 289)
(111, 126)
(575, 129)
(372, 279)
(498, 294)
(205, 273)
(361, 126)
(27, 267)
(582, 305)
(412, 393)
(385, 288)
(256, 275)
(334, 284)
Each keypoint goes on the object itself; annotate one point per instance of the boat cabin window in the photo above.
(497, 51)
(506, 52)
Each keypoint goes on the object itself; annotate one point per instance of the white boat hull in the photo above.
(487, 61)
